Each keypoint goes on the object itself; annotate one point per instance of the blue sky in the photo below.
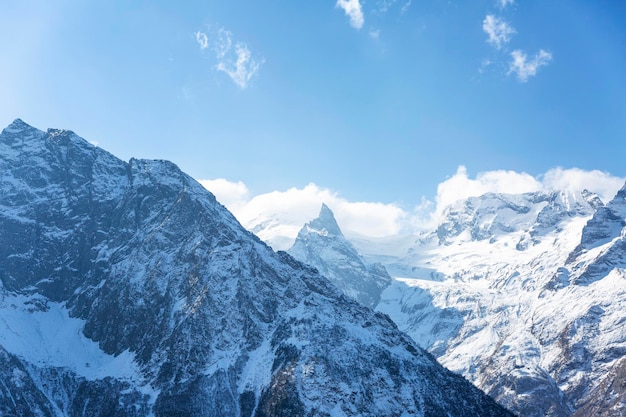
(376, 100)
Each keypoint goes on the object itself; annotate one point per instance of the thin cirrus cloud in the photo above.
(354, 11)
(525, 68)
(499, 31)
(406, 6)
(504, 3)
(385, 5)
(499, 34)
(234, 58)
(202, 40)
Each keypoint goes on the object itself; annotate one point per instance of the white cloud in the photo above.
(504, 3)
(575, 179)
(354, 11)
(202, 39)
(460, 186)
(234, 58)
(375, 34)
(234, 195)
(223, 43)
(499, 31)
(240, 68)
(283, 213)
(524, 68)
(300, 205)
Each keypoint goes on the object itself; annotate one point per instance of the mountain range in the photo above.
(126, 289)
(522, 294)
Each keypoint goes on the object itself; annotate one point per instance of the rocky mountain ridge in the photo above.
(521, 294)
(321, 244)
(127, 290)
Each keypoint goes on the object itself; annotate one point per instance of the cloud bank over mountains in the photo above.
(297, 206)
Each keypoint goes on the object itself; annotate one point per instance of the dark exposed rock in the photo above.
(217, 323)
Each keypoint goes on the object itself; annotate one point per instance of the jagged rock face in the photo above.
(29, 390)
(524, 295)
(127, 290)
(321, 244)
(481, 217)
(602, 247)
(609, 396)
(491, 215)
(604, 226)
(541, 299)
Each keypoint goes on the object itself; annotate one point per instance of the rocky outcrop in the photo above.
(321, 244)
(127, 290)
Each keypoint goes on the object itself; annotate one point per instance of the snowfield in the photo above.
(521, 294)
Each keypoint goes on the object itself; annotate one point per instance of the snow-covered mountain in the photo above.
(321, 244)
(524, 295)
(127, 290)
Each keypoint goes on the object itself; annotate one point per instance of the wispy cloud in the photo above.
(499, 31)
(525, 68)
(202, 40)
(354, 11)
(385, 5)
(234, 58)
(242, 68)
(223, 43)
(486, 63)
(406, 6)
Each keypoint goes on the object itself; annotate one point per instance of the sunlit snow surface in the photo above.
(504, 291)
(42, 333)
(495, 318)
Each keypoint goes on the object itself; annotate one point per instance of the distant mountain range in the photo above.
(126, 289)
(524, 295)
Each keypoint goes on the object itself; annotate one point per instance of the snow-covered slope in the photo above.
(524, 295)
(127, 290)
(321, 244)
(531, 308)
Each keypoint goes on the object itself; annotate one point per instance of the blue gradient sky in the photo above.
(381, 108)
